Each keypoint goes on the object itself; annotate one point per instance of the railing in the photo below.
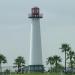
(35, 15)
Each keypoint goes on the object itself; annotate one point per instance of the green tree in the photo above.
(65, 48)
(2, 60)
(74, 58)
(50, 61)
(70, 56)
(19, 62)
(74, 61)
(57, 59)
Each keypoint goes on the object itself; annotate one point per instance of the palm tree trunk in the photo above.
(56, 66)
(71, 65)
(51, 68)
(18, 68)
(65, 61)
(71, 68)
(0, 69)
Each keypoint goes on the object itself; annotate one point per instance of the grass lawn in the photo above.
(43, 74)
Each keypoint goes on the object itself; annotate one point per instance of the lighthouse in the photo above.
(35, 60)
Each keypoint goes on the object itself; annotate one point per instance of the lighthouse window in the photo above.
(37, 10)
(33, 11)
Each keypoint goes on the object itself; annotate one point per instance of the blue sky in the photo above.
(57, 27)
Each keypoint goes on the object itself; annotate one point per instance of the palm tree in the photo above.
(65, 48)
(70, 57)
(2, 60)
(57, 59)
(74, 60)
(50, 61)
(19, 62)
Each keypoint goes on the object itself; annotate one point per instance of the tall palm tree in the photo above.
(57, 59)
(70, 57)
(50, 61)
(2, 60)
(65, 48)
(19, 62)
(74, 60)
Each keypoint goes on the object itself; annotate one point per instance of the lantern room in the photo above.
(35, 13)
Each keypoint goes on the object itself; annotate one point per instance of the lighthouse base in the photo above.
(36, 68)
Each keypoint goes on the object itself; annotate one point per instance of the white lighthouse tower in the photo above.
(35, 63)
